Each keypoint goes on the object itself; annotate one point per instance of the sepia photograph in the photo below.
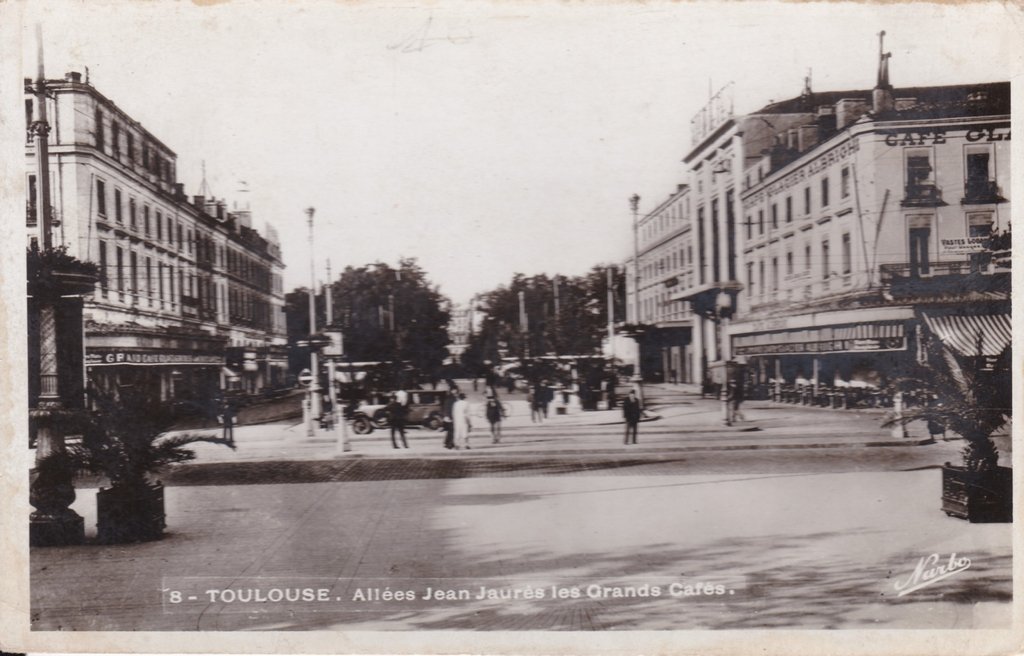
(527, 327)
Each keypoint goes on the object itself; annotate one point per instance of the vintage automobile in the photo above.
(423, 409)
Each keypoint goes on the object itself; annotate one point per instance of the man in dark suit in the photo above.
(449, 424)
(631, 412)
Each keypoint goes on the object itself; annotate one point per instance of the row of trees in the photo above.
(386, 314)
(559, 315)
(395, 314)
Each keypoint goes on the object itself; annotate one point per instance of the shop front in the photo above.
(816, 361)
(182, 369)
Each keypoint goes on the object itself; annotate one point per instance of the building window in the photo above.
(775, 216)
(920, 232)
(160, 282)
(760, 222)
(844, 182)
(100, 145)
(825, 271)
(120, 272)
(775, 274)
(824, 191)
(847, 254)
(760, 266)
(750, 226)
(101, 198)
(145, 219)
(117, 206)
(716, 259)
(750, 280)
(979, 227)
(30, 206)
(181, 241)
(920, 177)
(134, 272)
(789, 209)
(807, 200)
(807, 257)
(149, 280)
(131, 214)
(789, 263)
(701, 249)
(115, 140)
(131, 147)
(104, 274)
(979, 178)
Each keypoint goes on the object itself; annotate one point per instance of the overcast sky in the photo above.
(482, 139)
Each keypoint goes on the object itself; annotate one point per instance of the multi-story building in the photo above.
(665, 251)
(189, 299)
(878, 237)
(835, 233)
(459, 329)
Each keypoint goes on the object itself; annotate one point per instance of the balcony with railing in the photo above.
(986, 272)
(922, 194)
(980, 191)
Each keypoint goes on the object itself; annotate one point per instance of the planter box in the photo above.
(978, 496)
(130, 515)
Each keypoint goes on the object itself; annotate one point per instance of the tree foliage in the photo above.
(970, 397)
(386, 314)
(564, 315)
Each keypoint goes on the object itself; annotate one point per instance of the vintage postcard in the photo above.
(509, 327)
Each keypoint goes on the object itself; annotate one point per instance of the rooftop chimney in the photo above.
(199, 201)
(73, 76)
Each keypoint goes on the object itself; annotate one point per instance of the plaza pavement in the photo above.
(788, 549)
(688, 423)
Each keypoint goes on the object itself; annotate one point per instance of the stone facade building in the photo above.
(190, 297)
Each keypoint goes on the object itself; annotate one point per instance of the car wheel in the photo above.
(362, 426)
(433, 422)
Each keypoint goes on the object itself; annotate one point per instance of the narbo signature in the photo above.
(929, 571)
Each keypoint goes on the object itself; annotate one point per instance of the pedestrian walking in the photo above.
(396, 420)
(532, 398)
(447, 407)
(735, 395)
(460, 419)
(493, 412)
(547, 396)
(631, 412)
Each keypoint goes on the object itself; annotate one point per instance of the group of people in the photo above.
(457, 421)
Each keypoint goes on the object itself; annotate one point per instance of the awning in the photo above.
(872, 336)
(973, 334)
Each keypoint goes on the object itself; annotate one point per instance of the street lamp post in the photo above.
(314, 387)
(634, 205)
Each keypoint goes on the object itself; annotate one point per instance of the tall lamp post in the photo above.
(314, 385)
(634, 205)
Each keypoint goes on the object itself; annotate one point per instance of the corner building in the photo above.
(189, 299)
(879, 224)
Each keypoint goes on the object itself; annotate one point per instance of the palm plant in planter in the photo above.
(972, 400)
(124, 442)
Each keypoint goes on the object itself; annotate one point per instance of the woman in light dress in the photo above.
(460, 419)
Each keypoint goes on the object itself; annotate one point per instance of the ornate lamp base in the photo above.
(67, 528)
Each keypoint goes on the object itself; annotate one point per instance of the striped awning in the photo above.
(973, 335)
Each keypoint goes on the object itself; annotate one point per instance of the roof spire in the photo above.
(807, 84)
(204, 188)
(883, 63)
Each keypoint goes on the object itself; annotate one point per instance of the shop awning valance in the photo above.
(872, 336)
(973, 335)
